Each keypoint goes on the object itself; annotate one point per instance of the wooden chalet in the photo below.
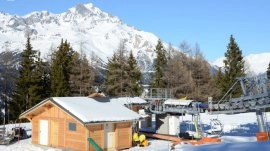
(68, 122)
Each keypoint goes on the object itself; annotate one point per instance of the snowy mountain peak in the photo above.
(87, 13)
(83, 10)
(85, 26)
(38, 17)
(37, 14)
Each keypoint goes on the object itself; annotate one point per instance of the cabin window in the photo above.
(71, 126)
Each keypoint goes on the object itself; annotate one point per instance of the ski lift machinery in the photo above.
(255, 98)
(161, 104)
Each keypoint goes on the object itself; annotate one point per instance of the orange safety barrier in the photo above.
(262, 136)
(162, 136)
(205, 140)
(175, 140)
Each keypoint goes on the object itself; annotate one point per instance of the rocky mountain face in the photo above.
(87, 28)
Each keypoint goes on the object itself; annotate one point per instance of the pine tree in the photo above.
(60, 70)
(87, 76)
(268, 72)
(28, 92)
(134, 75)
(220, 84)
(81, 76)
(41, 79)
(117, 76)
(9, 73)
(159, 80)
(112, 76)
(233, 67)
(75, 75)
(46, 79)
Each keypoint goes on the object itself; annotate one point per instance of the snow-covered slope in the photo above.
(256, 63)
(84, 26)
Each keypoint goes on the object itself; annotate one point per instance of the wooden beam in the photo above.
(47, 106)
(30, 116)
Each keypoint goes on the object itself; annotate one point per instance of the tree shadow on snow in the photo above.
(249, 129)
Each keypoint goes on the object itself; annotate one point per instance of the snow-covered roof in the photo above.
(129, 100)
(177, 102)
(93, 110)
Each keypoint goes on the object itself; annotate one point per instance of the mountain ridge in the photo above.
(91, 30)
(85, 26)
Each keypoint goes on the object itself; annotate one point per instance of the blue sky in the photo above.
(206, 22)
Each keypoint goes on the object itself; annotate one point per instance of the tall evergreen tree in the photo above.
(81, 76)
(134, 75)
(41, 78)
(220, 84)
(117, 83)
(60, 70)
(233, 67)
(112, 76)
(268, 72)
(159, 80)
(28, 91)
(8, 74)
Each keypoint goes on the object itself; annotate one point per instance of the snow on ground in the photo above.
(25, 145)
(238, 135)
(236, 144)
(243, 146)
(233, 125)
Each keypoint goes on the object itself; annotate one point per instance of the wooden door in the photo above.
(43, 135)
(109, 136)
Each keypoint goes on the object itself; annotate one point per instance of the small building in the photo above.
(169, 123)
(137, 105)
(178, 102)
(67, 122)
(133, 103)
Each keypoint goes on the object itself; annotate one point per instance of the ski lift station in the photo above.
(165, 116)
(165, 113)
